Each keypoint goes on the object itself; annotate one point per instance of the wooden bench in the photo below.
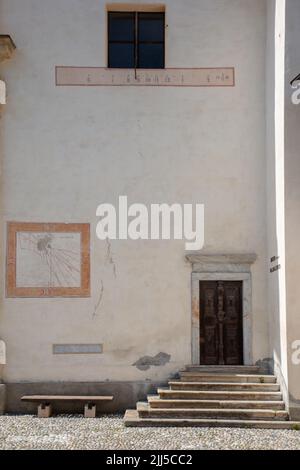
(45, 403)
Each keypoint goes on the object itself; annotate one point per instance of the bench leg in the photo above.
(90, 410)
(44, 410)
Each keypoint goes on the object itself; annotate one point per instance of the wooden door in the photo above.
(221, 323)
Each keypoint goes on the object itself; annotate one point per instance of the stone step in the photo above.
(156, 402)
(225, 378)
(166, 393)
(223, 369)
(145, 411)
(132, 418)
(201, 386)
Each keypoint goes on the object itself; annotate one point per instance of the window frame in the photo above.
(136, 42)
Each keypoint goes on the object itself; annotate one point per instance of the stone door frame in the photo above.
(222, 268)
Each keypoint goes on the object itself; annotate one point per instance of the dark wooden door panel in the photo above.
(233, 327)
(221, 323)
(208, 325)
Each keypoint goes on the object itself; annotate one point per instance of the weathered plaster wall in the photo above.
(66, 150)
(283, 171)
(292, 200)
(275, 52)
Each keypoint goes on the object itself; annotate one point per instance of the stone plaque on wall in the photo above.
(77, 348)
(48, 260)
(170, 77)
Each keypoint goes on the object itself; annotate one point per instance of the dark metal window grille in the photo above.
(136, 40)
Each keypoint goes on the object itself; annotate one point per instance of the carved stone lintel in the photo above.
(7, 47)
(221, 263)
(232, 258)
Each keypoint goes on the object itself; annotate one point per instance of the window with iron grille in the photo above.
(136, 40)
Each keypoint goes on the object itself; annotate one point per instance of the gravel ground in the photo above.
(108, 432)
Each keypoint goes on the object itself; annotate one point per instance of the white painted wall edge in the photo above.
(2, 353)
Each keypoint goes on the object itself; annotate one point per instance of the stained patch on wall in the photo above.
(145, 362)
(266, 365)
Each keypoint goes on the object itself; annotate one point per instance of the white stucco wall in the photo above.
(66, 150)
(275, 55)
(292, 200)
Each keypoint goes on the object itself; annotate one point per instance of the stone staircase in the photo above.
(224, 396)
